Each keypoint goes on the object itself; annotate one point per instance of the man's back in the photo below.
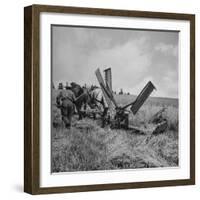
(65, 94)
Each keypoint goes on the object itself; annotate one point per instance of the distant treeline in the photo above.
(62, 86)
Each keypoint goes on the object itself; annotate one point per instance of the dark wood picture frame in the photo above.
(32, 104)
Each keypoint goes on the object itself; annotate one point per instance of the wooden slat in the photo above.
(107, 94)
(142, 97)
(108, 78)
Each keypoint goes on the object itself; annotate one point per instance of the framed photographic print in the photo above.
(109, 99)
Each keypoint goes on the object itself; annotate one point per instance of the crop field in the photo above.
(87, 146)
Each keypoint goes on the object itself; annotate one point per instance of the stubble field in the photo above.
(87, 146)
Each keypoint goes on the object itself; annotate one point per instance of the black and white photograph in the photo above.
(114, 98)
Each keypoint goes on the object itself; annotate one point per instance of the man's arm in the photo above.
(58, 99)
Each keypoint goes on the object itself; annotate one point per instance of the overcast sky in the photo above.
(135, 57)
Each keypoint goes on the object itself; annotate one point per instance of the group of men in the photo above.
(75, 97)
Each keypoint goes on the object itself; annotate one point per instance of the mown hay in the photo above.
(87, 146)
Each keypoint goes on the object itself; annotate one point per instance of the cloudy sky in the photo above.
(135, 57)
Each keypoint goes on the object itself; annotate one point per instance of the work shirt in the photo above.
(65, 95)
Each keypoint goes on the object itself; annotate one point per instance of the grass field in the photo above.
(87, 146)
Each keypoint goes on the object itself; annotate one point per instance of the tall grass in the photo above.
(78, 149)
(145, 113)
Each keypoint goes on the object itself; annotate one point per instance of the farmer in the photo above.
(64, 101)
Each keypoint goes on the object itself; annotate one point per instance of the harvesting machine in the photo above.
(118, 116)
